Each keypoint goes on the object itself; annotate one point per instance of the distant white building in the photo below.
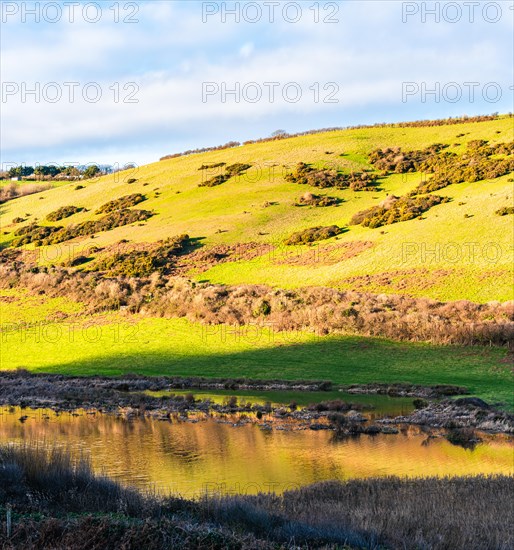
(16, 178)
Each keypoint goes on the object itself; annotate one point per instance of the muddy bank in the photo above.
(127, 396)
(458, 414)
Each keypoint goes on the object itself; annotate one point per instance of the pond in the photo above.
(209, 454)
(379, 405)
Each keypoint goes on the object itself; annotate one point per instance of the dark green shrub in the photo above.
(505, 211)
(131, 180)
(324, 178)
(396, 209)
(141, 263)
(230, 171)
(77, 187)
(52, 235)
(63, 212)
(393, 159)
(237, 169)
(18, 220)
(216, 180)
(123, 202)
(313, 234)
(211, 166)
(33, 233)
(309, 199)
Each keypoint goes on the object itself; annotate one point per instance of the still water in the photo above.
(189, 458)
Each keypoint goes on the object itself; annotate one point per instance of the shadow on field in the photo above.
(343, 360)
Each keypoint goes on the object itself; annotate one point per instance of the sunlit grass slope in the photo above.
(57, 337)
(459, 250)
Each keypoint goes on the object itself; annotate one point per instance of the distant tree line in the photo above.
(52, 171)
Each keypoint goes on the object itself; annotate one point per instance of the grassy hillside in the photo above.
(458, 250)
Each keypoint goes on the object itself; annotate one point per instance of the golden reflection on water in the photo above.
(189, 458)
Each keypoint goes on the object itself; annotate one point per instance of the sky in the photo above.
(117, 82)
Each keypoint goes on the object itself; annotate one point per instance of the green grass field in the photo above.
(445, 255)
(114, 344)
(459, 250)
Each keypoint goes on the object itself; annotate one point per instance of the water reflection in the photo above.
(188, 458)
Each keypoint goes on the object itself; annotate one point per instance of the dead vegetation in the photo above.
(323, 310)
(59, 502)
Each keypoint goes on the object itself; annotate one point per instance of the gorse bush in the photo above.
(313, 234)
(237, 169)
(396, 209)
(41, 235)
(63, 212)
(480, 161)
(323, 178)
(393, 159)
(231, 171)
(505, 211)
(212, 166)
(214, 181)
(123, 202)
(309, 199)
(141, 263)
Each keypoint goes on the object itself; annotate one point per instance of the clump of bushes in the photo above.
(505, 211)
(123, 202)
(396, 209)
(214, 181)
(323, 178)
(393, 159)
(211, 166)
(33, 233)
(41, 235)
(309, 199)
(230, 171)
(131, 180)
(63, 212)
(141, 263)
(237, 169)
(18, 220)
(481, 161)
(313, 234)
